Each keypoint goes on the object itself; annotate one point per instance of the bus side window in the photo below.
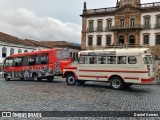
(111, 59)
(102, 60)
(38, 59)
(132, 60)
(9, 63)
(93, 60)
(25, 61)
(44, 59)
(121, 60)
(18, 62)
(82, 60)
(32, 60)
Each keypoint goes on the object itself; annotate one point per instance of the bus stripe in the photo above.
(122, 71)
(132, 78)
(93, 76)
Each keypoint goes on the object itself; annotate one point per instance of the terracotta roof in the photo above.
(49, 44)
(38, 43)
(61, 44)
(11, 39)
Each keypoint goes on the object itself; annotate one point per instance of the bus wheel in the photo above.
(81, 82)
(70, 79)
(35, 77)
(6, 78)
(116, 83)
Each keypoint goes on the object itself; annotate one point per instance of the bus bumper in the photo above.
(147, 80)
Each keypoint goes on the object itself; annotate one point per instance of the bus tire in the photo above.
(70, 79)
(81, 82)
(6, 78)
(35, 77)
(21, 78)
(116, 83)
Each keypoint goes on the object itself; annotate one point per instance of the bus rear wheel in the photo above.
(35, 77)
(117, 83)
(70, 79)
(6, 78)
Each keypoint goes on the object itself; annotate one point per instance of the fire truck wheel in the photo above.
(35, 77)
(70, 79)
(6, 78)
(117, 83)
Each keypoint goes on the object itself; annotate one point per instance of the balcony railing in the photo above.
(147, 5)
(119, 27)
(157, 26)
(146, 26)
(101, 10)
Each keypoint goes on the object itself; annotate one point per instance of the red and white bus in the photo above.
(119, 66)
(37, 65)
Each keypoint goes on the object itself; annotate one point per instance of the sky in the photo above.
(47, 20)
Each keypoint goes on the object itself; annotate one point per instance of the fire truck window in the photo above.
(132, 60)
(9, 63)
(93, 60)
(44, 59)
(32, 60)
(111, 59)
(18, 62)
(25, 61)
(121, 60)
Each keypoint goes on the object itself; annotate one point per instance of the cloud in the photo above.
(26, 24)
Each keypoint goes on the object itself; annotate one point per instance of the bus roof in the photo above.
(33, 52)
(117, 51)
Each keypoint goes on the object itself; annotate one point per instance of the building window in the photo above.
(4, 52)
(158, 39)
(11, 51)
(146, 39)
(71, 54)
(91, 26)
(147, 22)
(99, 40)
(121, 40)
(25, 51)
(99, 26)
(19, 51)
(109, 24)
(108, 40)
(158, 22)
(122, 23)
(90, 41)
(132, 22)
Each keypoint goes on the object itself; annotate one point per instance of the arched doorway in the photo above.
(132, 39)
(121, 40)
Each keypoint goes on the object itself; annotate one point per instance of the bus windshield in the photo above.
(62, 54)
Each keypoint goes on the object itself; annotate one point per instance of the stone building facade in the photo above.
(130, 22)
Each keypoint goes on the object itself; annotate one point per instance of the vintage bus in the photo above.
(122, 67)
(37, 64)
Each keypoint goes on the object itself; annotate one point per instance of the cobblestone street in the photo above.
(26, 95)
